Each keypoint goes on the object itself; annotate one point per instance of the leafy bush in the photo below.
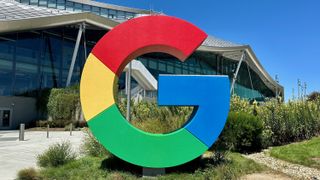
(92, 147)
(283, 122)
(148, 116)
(238, 104)
(28, 174)
(242, 133)
(57, 154)
(62, 104)
(292, 121)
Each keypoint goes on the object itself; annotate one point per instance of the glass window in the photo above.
(112, 14)
(52, 3)
(25, 1)
(26, 79)
(162, 66)
(43, 3)
(27, 63)
(104, 12)
(51, 60)
(6, 66)
(69, 6)
(96, 10)
(25, 52)
(86, 8)
(178, 67)
(61, 4)
(77, 7)
(121, 15)
(153, 64)
(34, 2)
(129, 15)
(170, 69)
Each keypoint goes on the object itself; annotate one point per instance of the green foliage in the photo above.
(58, 154)
(238, 104)
(28, 174)
(283, 122)
(92, 147)
(277, 122)
(292, 121)
(148, 116)
(62, 104)
(242, 133)
(98, 168)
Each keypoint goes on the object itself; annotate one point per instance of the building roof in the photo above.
(12, 10)
(112, 6)
(15, 16)
(213, 41)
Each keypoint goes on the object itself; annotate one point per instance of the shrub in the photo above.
(242, 133)
(283, 122)
(92, 147)
(62, 104)
(28, 174)
(149, 117)
(57, 154)
(238, 104)
(292, 121)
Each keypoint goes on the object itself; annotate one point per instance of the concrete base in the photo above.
(153, 172)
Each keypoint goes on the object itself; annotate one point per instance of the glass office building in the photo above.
(26, 69)
(38, 39)
(40, 59)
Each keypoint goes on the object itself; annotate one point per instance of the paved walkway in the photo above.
(16, 155)
(293, 170)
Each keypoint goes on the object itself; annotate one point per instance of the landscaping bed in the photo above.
(89, 167)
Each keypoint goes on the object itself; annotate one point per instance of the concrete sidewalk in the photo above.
(16, 155)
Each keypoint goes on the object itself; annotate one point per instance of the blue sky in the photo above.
(284, 34)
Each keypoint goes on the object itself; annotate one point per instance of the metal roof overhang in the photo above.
(252, 61)
(107, 24)
(112, 6)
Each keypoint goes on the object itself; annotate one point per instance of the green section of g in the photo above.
(142, 148)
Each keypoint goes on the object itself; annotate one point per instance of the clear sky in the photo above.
(284, 34)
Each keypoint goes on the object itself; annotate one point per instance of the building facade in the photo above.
(40, 39)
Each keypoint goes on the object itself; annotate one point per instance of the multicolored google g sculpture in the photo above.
(208, 94)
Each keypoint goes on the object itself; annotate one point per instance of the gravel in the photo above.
(293, 170)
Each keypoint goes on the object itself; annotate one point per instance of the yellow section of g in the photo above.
(97, 88)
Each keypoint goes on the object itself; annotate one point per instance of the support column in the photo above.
(84, 41)
(235, 75)
(74, 55)
(128, 90)
(152, 172)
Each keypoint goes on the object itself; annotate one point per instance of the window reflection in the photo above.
(6, 66)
